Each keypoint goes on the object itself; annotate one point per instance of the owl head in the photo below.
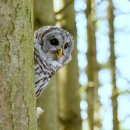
(53, 45)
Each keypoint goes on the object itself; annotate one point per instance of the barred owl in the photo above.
(52, 50)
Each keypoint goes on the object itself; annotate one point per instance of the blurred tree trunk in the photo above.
(68, 97)
(48, 101)
(17, 99)
(44, 15)
(113, 66)
(43, 12)
(92, 69)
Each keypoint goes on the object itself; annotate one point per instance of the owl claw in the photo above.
(39, 112)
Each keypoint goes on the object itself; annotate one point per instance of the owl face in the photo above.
(54, 44)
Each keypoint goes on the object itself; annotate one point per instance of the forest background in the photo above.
(90, 93)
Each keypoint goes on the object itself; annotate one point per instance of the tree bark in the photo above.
(68, 96)
(92, 69)
(113, 67)
(44, 15)
(17, 99)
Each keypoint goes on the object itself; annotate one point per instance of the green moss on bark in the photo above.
(17, 99)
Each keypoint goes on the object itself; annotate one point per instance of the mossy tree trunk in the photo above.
(17, 99)
(68, 96)
(44, 15)
(113, 67)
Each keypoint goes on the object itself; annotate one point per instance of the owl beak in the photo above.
(59, 53)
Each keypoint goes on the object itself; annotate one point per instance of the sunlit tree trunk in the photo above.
(113, 67)
(17, 99)
(69, 98)
(92, 69)
(44, 15)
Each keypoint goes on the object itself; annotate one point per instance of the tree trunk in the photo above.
(44, 15)
(48, 101)
(68, 97)
(113, 67)
(92, 69)
(17, 99)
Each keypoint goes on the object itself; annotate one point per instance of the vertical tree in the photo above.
(17, 99)
(92, 69)
(48, 101)
(113, 66)
(44, 15)
(68, 97)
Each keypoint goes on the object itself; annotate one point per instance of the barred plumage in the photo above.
(43, 73)
(52, 50)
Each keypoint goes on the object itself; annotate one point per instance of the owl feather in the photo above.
(52, 50)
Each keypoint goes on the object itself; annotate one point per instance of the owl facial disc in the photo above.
(54, 46)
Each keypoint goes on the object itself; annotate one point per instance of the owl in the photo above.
(52, 50)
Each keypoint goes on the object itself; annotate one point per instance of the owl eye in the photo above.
(66, 45)
(54, 42)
